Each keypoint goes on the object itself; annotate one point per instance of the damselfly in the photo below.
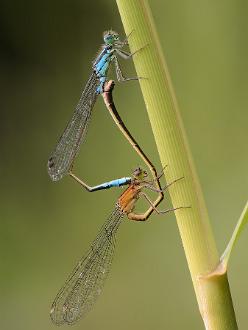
(85, 283)
(67, 148)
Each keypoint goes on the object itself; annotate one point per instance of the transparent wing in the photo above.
(68, 145)
(85, 283)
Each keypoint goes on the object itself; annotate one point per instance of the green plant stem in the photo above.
(213, 295)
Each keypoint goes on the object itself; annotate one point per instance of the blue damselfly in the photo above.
(64, 153)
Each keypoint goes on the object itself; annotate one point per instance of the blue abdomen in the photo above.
(114, 183)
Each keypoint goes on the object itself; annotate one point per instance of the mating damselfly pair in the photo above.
(84, 285)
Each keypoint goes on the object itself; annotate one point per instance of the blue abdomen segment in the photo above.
(114, 183)
(100, 87)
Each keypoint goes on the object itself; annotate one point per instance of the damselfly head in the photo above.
(110, 37)
(139, 174)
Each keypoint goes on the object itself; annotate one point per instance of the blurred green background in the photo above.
(46, 53)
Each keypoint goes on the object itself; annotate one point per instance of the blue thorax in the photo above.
(101, 66)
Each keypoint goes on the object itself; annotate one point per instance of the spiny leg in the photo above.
(125, 41)
(149, 202)
(119, 74)
(155, 179)
(144, 216)
(153, 205)
(126, 55)
(171, 183)
(149, 186)
(159, 176)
